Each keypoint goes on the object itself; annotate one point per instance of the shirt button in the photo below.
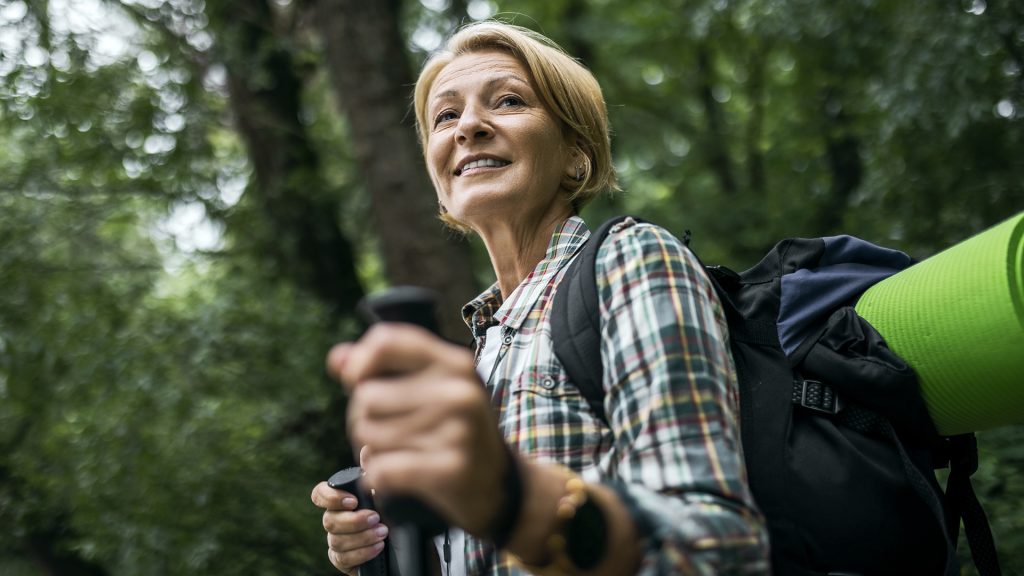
(507, 340)
(547, 383)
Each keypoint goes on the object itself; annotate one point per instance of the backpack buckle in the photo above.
(814, 395)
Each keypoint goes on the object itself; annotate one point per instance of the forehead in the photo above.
(474, 69)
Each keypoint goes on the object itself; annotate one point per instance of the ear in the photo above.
(573, 160)
(576, 160)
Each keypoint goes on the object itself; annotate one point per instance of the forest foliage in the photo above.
(194, 194)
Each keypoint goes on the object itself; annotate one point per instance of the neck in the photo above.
(516, 247)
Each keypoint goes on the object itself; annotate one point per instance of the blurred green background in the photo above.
(194, 194)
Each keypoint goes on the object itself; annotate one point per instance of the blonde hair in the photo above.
(565, 86)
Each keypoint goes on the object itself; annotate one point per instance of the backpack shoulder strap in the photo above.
(576, 320)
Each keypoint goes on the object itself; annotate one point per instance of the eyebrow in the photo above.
(490, 84)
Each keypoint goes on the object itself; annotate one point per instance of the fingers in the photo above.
(344, 543)
(364, 455)
(353, 538)
(388, 349)
(416, 411)
(348, 562)
(336, 359)
(437, 387)
(415, 472)
(323, 496)
(445, 481)
(425, 423)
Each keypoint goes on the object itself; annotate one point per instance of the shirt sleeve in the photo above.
(672, 404)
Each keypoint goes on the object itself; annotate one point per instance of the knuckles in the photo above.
(381, 341)
(465, 400)
(327, 498)
(328, 522)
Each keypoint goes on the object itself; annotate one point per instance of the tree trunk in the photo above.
(300, 233)
(843, 153)
(715, 144)
(369, 68)
(305, 241)
(755, 126)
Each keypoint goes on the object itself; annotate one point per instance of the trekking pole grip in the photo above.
(416, 522)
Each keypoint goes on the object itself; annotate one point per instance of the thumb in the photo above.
(364, 461)
(336, 358)
(364, 455)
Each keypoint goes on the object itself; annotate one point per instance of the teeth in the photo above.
(489, 162)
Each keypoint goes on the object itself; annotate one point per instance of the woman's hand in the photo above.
(425, 422)
(353, 536)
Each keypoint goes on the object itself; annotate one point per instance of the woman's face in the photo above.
(493, 149)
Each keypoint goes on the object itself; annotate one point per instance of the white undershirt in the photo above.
(457, 538)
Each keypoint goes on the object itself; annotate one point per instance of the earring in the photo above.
(579, 175)
(441, 207)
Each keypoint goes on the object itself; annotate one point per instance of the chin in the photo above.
(489, 200)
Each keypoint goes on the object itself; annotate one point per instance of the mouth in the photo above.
(470, 164)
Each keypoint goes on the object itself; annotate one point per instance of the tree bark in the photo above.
(371, 74)
(843, 153)
(305, 241)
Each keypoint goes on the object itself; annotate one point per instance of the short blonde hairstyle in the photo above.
(565, 86)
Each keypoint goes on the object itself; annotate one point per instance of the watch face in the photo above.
(587, 536)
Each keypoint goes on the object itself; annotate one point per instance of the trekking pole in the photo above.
(415, 523)
(350, 480)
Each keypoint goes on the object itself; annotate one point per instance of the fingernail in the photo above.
(349, 503)
(373, 520)
(378, 546)
(381, 531)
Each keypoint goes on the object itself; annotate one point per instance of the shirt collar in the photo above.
(488, 309)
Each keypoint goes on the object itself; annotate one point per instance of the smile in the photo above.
(481, 163)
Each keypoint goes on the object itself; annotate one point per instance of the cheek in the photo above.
(435, 184)
(550, 145)
(436, 160)
(554, 155)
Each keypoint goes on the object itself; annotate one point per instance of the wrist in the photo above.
(567, 531)
(570, 527)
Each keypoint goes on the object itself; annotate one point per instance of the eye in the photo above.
(445, 116)
(510, 101)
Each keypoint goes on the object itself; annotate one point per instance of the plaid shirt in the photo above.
(672, 450)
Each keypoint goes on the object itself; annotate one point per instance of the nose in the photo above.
(473, 125)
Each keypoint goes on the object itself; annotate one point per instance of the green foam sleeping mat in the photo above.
(958, 319)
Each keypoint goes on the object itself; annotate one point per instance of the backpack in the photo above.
(839, 449)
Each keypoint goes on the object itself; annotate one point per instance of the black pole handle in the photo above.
(385, 563)
(408, 304)
(416, 523)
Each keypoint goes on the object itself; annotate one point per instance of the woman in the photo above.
(515, 138)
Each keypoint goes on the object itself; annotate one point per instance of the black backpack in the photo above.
(839, 448)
